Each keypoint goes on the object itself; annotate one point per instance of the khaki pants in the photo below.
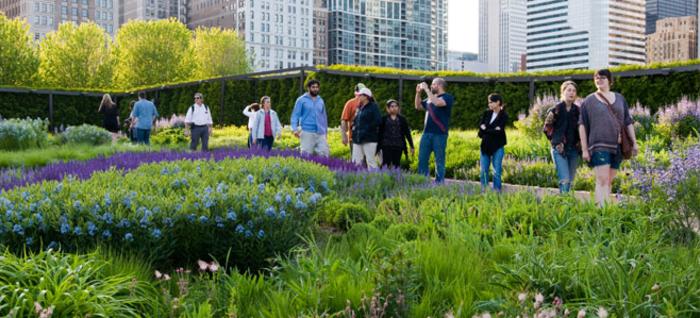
(365, 151)
(313, 143)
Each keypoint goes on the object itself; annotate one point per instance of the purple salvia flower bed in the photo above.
(81, 170)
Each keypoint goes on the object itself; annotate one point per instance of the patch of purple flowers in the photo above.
(82, 170)
(683, 164)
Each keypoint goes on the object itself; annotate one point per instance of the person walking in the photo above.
(393, 134)
(110, 112)
(607, 133)
(266, 126)
(561, 128)
(250, 111)
(492, 131)
(365, 130)
(144, 113)
(198, 123)
(348, 115)
(309, 121)
(437, 107)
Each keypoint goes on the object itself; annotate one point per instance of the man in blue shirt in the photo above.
(437, 107)
(310, 121)
(144, 113)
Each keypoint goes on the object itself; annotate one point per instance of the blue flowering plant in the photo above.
(246, 210)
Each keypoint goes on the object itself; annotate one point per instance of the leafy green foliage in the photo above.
(152, 52)
(76, 56)
(219, 53)
(18, 54)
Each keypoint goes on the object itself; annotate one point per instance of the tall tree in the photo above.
(76, 56)
(18, 54)
(219, 53)
(152, 52)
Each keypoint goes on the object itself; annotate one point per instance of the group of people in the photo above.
(595, 131)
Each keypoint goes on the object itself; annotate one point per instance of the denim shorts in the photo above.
(601, 158)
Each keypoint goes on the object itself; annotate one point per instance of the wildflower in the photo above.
(77, 231)
(250, 179)
(522, 297)
(539, 299)
(43, 312)
(128, 237)
(52, 245)
(270, 212)
(18, 229)
(108, 201)
(91, 228)
(203, 219)
(29, 241)
(106, 234)
(248, 233)
(77, 205)
(655, 288)
(231, 216)
(156, 233)
(213, 267)
(166, 277)
(261, 234)
(158, 274)
(64, 228)
(107, 218)
(300, 205)
(288, 199)
(299, 190)
(202, 265)
(602, 313)
(240, 229)
(314, 198)
(283, 214)
(581, 314)
(278, 197)
(124, 223)
(168, 222)
(261, 187)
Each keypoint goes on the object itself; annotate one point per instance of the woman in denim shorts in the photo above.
(603, 116)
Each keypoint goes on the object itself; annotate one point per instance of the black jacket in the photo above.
(405, 131)
(565, 125)
(492, 139)
(365, 126)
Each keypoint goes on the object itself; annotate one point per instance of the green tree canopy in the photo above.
(219, 53)
(152, 52)
(18, 55)
(76, 56)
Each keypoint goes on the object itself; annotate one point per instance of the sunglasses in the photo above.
(198, 97)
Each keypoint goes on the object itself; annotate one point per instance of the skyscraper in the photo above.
(277, 33)
(660, 9)
(582, 34)
(410, 34)
(45, 15)
(675, 39)
(320, 32)
(152, 10)
(502, 40)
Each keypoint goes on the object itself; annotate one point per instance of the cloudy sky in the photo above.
(463, 25)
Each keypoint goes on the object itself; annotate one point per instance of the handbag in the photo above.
(626, 141)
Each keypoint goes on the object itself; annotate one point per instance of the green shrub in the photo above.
(86, 134)
(173, 212)
(169, 137)
(531, 125)
(72, 286)
(19, 134)
(347, 214)
(403, 232)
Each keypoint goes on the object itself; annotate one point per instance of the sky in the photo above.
(463, 25)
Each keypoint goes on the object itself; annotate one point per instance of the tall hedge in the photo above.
(651, 91)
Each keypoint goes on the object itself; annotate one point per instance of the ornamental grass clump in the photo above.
(20, 134)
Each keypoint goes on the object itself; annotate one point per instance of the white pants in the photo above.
(313, 143)
(366, 151)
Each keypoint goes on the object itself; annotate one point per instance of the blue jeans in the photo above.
(266, 143)
(436, 143)
(566, 168)
(143, 136)
(497, 160)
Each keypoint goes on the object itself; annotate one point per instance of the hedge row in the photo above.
(651, 91)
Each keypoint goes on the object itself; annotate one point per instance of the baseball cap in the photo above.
(365, 91)
(359, 86)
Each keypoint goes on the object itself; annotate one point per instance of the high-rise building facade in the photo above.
(465, 61)
(277, 33)
(675, 39)
(152, 10)
(502, 29)
(45, 15)
(407, 34)
(660, 9)
(585, 34)
(320, 32)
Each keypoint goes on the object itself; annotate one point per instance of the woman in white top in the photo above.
(250, 112)
(266, 126)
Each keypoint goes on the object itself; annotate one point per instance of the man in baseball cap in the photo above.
(348, 115)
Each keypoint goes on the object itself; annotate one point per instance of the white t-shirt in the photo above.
(200, 116)
(251, 116)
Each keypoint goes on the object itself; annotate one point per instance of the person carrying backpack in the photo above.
(198, 123)
(561, 128)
